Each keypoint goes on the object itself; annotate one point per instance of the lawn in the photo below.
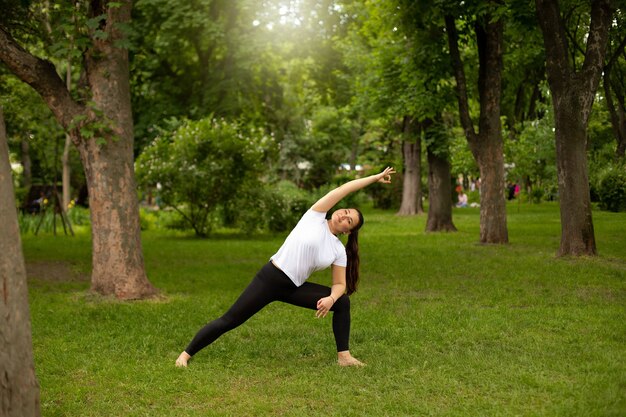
(448, 327)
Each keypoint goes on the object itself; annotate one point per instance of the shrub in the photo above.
(79, 216)
(536, 195)
(286, 204)
(611, 190)
(202, 166)
(148, 219)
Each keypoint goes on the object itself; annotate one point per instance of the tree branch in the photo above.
(459, 74)
(42, 76)
(555, 42)
(597, 41)
(616, 54)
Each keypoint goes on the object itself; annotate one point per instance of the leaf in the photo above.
(100, 34)
(86, 132)
(76, 121)
(123, 43)
(94, 22)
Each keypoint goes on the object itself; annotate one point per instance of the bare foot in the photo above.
(346, 359)
(182, 360)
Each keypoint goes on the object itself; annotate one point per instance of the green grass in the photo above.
(448, 327)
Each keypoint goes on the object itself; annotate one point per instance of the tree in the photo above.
(100, 124)
(573, 93)
(386, 85)
(19, 390)
(486, 144)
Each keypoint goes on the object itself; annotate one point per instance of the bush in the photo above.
(387, 196)
(79, 216)
(21, 193)
(286, 204)
(201, 167)
(148, 219)
(278, 207)
(28, 223)
(536, 195)
(274, 207)
(161, 219)
(611, 190)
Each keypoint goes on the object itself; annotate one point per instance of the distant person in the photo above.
(462, 199)
(311, 246)
(511, 190)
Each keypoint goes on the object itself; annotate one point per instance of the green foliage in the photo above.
(46, 222)
(168, 219)
(611, 188)
(79, 216)
(461, 159)
(201, 166)
(29, 120)
(531, 157)
(20, 195)
(326, 147)
(287, 204)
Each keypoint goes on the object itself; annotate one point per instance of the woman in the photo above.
(311, 246)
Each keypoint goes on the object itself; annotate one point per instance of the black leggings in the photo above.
(271, 284)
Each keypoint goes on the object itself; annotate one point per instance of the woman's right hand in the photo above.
(385, 176)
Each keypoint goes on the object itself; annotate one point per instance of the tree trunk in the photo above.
(412, 156)
(27, 164)
(103, 133)
(487, 144)
(411, 179)
(577, 234)
(490, 161)
(572, 97)
(66, 149)
(109, 169)
(65, 159)
(439, 192)
(19, 390)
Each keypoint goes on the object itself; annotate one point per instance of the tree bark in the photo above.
(104, 138)
(439, 192)
(27, 164)
(412, 155)
(19, 390)
(66, 149)
(486, 145)
(572, 97)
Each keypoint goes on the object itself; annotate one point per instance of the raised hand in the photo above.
(385, 176)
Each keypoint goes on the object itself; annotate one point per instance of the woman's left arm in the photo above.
(333, 197)
(337, 290)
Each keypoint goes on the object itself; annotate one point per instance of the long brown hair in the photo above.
(352, 252)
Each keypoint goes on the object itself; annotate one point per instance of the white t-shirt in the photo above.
(309, 247)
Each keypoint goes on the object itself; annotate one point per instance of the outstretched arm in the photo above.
(333, 197)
